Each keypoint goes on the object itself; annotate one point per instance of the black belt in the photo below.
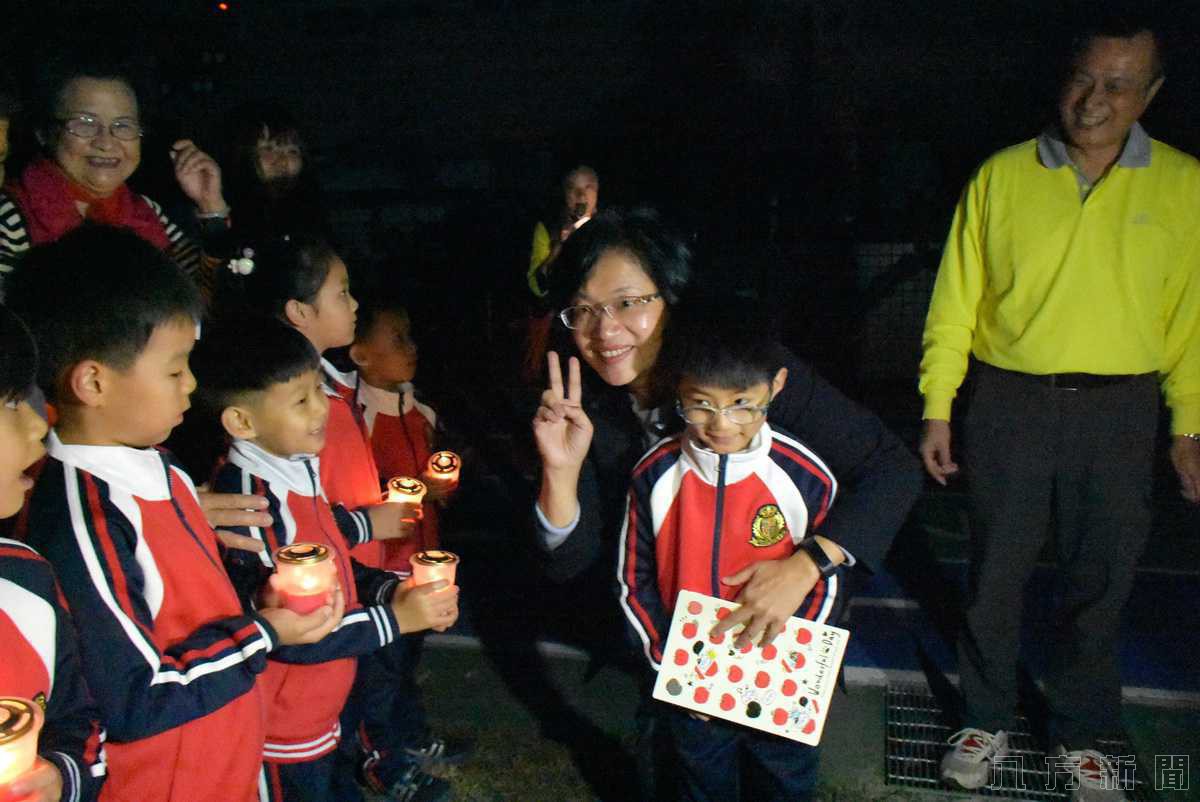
(1071, 381)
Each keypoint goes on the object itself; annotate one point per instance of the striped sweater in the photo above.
(14, 239)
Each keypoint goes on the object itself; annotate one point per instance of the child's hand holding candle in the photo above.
(432, 565)
(441, 474)
(20, 722)
(430, 606)
(394, 521)
(405, 489)
(304, 576)
(42, 783)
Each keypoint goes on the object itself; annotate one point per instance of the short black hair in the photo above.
(1119, 20)
(287, 267)
(248, 355)
(98, 292)
(733, 346)
(372, 307)
(18, 357)
(642, 234)
(235, 357)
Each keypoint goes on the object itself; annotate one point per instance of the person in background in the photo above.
(269, 176)
(1072, 276)
(394, 732)
(581, 194)
(88, 123)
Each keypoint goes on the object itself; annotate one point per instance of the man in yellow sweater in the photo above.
(1072, 276)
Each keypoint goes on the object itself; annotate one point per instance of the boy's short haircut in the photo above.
(371, 307)
(97, 293)
(248, 356)
(18, 357)
(732, 348)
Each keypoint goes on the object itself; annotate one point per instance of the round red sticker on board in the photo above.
(701, 695)
(762, 679)
(727, 701)
(716, 638)
(769, 652)
(779, 717)
(789, 687)
(689, 629)
(694, 607)
(735, 673)
(722, 613)
(803, 635)
(809, 727)
(800, 661)
(712, 669)
(681, 657)
(746, 648)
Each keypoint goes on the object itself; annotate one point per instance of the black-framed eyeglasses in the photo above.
(738, 414)
(85, 126)
(624, 310)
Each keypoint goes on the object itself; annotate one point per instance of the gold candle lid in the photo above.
(302, 554)
(17, 717)
(444, 461)
(435, 557)
(406, 484)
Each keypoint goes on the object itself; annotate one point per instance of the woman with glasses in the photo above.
(618, 283)
(91, 137)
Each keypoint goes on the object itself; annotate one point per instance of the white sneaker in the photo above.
(1095, 776)
(969, 763)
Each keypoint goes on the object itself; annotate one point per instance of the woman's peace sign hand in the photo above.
(561, 428)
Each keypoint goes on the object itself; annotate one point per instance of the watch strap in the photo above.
(825, 565)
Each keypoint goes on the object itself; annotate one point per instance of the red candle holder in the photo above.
(20, 722)
(432, 565)
(305, 576)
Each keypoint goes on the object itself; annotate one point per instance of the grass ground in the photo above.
(580, 746)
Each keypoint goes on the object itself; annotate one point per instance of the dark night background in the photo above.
(813, 149)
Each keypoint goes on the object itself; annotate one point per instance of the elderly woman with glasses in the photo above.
(91, 135)
(618, 283)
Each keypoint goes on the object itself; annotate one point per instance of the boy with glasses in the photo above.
(728, 508)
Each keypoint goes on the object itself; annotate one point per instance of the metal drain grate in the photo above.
(917, 731)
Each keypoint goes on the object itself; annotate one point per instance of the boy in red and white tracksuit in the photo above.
(399, 429)
(270, 398)
(729, 508)
(41, 662)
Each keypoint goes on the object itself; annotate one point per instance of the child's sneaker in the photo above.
(969, 763)
(1095, 777)
(417, 786)
(441, 752)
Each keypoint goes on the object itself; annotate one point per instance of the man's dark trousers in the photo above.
(1077, 451)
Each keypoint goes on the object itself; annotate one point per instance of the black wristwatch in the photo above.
(825, 565)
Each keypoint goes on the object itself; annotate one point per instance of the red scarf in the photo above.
(46, 198)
